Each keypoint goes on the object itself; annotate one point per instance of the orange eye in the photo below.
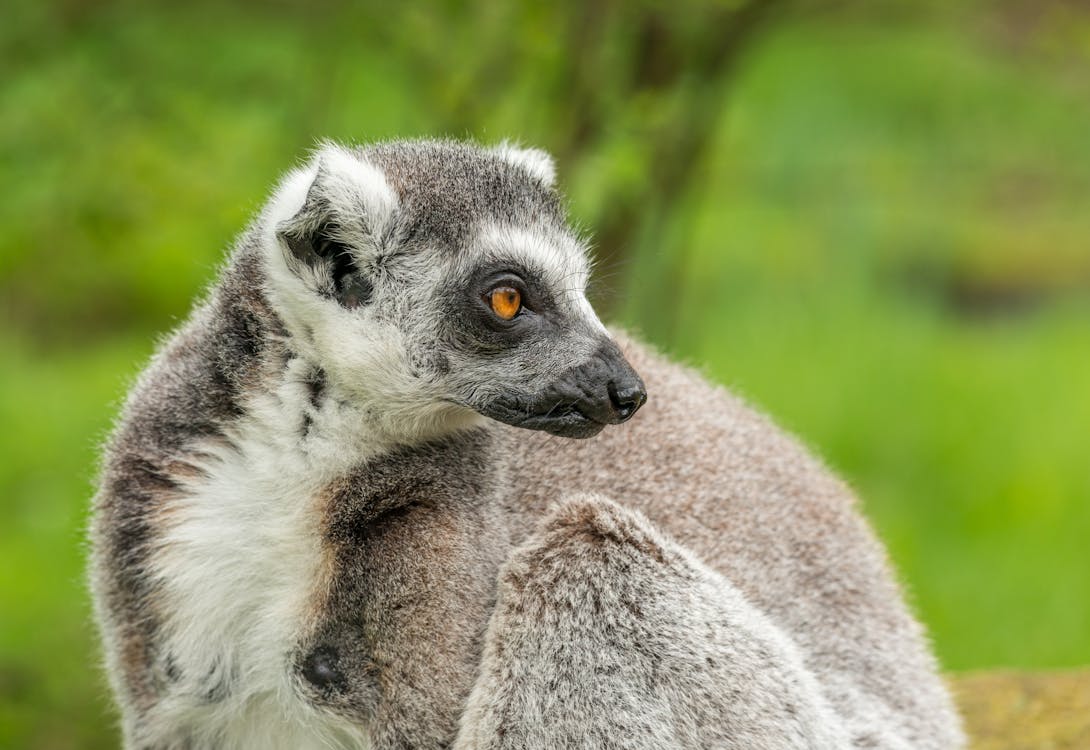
(505, 301)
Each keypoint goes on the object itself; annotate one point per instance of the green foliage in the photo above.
(857, 264)
(880, 237)
(56, 408)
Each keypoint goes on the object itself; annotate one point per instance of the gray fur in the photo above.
(418, 537)
(192, 389)
(717, 589)
(607, 635)
(448, 188)
(753, 505)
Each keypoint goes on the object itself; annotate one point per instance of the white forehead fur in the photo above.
(533, 160)
(559, 258)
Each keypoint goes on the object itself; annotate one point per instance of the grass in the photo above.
(56, 409)
(887, 250)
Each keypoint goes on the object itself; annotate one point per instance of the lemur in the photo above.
(343, 506)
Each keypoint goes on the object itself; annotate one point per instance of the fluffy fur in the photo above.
(606, 634)
(307, 534)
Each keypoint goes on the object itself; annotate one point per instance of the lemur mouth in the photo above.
(561, 420)
(567, 422)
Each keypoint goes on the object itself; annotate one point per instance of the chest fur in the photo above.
(315, 600)
(241, 570)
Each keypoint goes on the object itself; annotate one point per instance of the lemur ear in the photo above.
(534, 160)
(332, 219)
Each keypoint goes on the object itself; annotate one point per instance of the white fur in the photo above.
(290, 196)
(240, 565)
(358, 189)
(535, 161)
(353, 188)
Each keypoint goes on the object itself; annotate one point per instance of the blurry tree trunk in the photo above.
(650, 74)
(687, 71)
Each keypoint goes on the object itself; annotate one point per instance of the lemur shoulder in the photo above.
(343, 507)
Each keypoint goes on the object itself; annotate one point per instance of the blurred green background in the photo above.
(872, 219)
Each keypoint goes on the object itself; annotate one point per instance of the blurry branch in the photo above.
(649, 75)
(696, 65)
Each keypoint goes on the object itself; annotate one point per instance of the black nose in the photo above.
(626, 397)
(578, 402)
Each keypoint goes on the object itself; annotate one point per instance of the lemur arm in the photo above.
(606, 634)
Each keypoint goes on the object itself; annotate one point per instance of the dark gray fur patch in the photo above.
(316, 385)
(446, 188)
(316, 388)
(417, 537)
(321, 669)
(217, 684)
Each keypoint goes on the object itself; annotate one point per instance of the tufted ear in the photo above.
(534, 160)
(331, 219)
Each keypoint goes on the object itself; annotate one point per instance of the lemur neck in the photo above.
(285, 386)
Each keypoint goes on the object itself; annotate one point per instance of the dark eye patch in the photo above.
(535, 296)
(473, 324)
(535, 301)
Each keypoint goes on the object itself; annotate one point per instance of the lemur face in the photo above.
(438, 281)
(522, 343)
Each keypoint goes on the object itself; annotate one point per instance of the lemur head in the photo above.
(439, 281)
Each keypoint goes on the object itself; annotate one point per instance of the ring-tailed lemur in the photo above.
(340, 508)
